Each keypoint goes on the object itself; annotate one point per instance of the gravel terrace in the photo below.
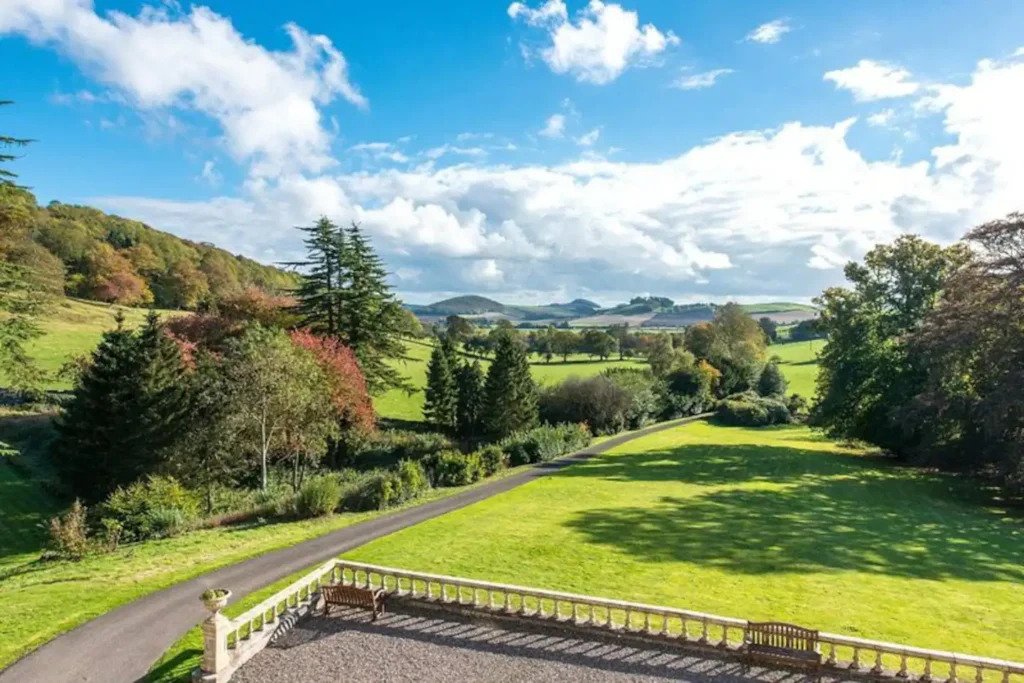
(412, 644)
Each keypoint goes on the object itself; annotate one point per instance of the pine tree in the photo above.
(370, 321)
(7, 142)
(510, 395)
(127, 412)
(441, 404)
(469, 381)
(320, 294)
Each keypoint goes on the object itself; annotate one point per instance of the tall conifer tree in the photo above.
(320, 294)
(510, 394)
(469, 380)
(440, 408)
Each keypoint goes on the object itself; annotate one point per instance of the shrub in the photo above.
(750, 410)
(545, 443)
(318, 497)
(387, 448)
(797, 406)
(492, 459)
(414, 479)
(376, 490)
(133, 506)
(772, 381)
(164, 523)
(451, 468)
(597, 401)
(643, 388)
(688, 390)
(68, 534)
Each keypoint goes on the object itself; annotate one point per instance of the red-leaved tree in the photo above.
(348, 386)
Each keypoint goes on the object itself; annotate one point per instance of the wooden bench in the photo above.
(782, 644)
(351, 596)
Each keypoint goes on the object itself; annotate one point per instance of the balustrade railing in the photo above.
(231, 642)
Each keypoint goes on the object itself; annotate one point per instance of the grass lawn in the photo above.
(774, 523)
(799, 364)
(399, 405)
(74, 327)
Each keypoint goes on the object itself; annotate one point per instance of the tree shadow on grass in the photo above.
(768, 509)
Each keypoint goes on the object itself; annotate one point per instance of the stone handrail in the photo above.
(229, 643)
(841, 651)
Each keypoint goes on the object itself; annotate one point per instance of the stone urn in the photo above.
(216, 599)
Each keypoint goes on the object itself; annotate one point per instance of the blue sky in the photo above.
(538, 150)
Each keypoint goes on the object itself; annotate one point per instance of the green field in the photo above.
(799, 364)
(772, 523)
(73, 328)
(399, 405)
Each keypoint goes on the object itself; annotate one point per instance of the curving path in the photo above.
(122, 644)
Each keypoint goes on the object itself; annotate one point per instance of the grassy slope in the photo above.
(764, 524)
(402, 406)
(799, 364)
(73, 328)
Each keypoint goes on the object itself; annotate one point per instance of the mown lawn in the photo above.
(774, 523)
(799, 364)
(399, 405)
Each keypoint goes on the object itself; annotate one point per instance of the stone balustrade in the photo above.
(228, 643)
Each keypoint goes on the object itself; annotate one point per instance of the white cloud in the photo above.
(554, 127)
(267, 102)
(438, 152)
(882, 118)
(599, 44)
(588, 139)
(371, 147)
(769, 33)
(210, 174)
(701, 80)
(485, 272)
(870, 81)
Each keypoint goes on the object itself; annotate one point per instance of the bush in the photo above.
(451, 468)
(750, 410)
(68, 534)
(318, 497)
(688, 390)
(136, 506)
(414, 480)
(597, 401)
(376, 490)
(164, 523)
(388, 448)
(545, 443)
(772, 381)
(643, 388)
(492, 459)
(797, 406)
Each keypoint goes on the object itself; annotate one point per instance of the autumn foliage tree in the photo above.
(346, 382)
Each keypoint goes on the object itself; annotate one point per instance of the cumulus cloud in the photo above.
(484, 272)
(554, 127)
(588, 139)
(770, 32)
(870, 81)
(882, 118)
(599, 44)
(701, 80)
(267, 102)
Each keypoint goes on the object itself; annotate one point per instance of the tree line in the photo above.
(925, 353)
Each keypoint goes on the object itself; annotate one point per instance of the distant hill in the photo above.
(638, 312)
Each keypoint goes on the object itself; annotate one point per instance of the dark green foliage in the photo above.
(451, 468)
(806, 330)
(596, 401)
(868, 372)
(469, 381)
(510, 395)
(151, 507)
(413, 477)
(375, 490)
(492, 459)
(750, 410)
(770, 329)
(127, 413)
(318, 497)
(319, 296)
(7, 142)
(772, 382)
(440, 410)
(797, 407)
(545, 443)
(388, 448)
(687, 391)
(644, 390)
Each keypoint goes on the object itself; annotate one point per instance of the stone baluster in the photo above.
(590, 620)
(855, 664)
(684, 635)
(1006, 676)
(724, 642)
(703, 632)
(508, 602)
(490, 599)
(629, 617)
(979, 674)
(575, 613)
(878, 668)
(664, 624)
(902, 673)
(927, 675)
(952, 671)
(831, 661)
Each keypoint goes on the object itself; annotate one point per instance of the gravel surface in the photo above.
(425, 645)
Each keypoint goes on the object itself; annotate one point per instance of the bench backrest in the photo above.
(348, 595)
(778, 634)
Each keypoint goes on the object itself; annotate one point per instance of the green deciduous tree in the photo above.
(772, 382)
(510, 394)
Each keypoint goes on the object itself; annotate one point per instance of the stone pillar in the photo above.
(215, 665)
